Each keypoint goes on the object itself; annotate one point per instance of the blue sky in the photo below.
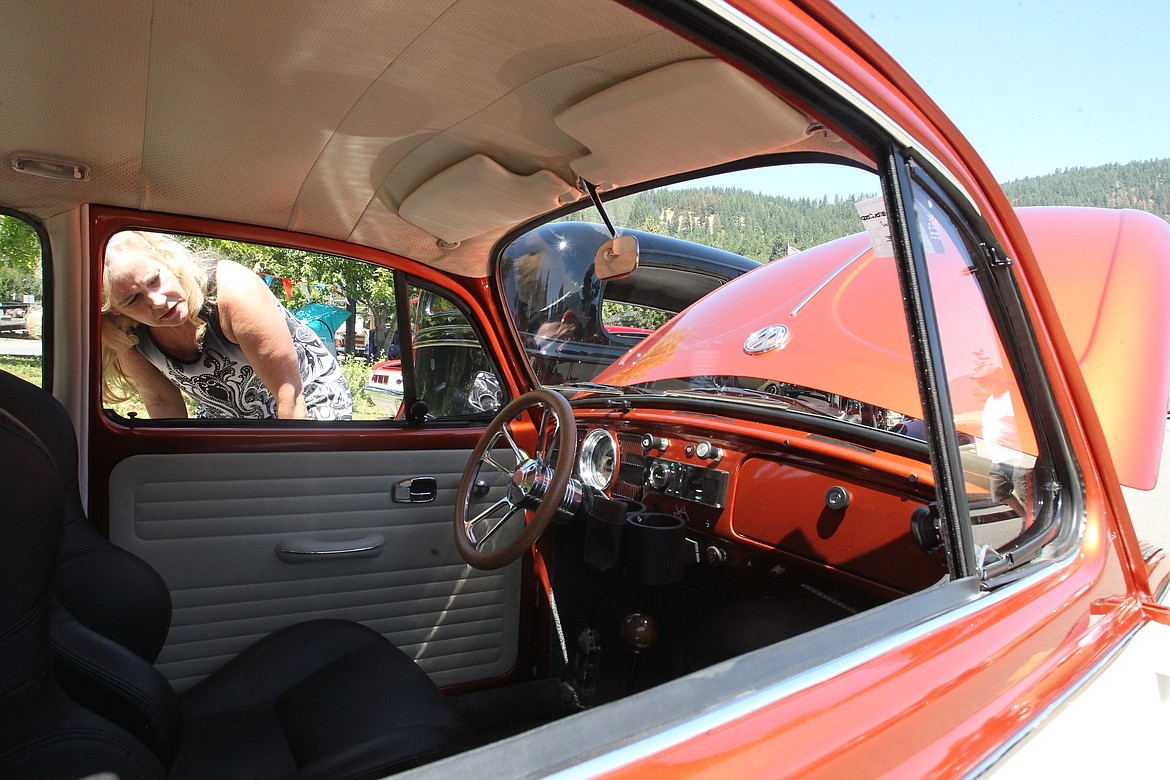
(1037, 85)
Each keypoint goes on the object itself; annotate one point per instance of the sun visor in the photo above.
(478, 195)
(702, 111)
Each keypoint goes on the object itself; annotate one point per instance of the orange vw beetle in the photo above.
(680, 479)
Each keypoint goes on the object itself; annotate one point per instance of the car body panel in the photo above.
(1108, 276)
(843, 293)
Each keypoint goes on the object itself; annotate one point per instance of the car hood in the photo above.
(1108, 272)
(842, 311)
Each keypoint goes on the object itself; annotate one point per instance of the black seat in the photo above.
(325, 698)
(43, 733)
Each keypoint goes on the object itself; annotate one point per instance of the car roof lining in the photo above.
(202, 111)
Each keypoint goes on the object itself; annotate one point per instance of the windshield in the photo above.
(690, 321)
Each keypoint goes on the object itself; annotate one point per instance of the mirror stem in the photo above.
(596, 198)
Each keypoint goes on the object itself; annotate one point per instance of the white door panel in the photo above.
(212, 526)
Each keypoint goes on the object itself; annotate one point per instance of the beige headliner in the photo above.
(318, 117)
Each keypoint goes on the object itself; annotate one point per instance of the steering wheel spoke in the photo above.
(520, 454)
(537, 485)
(497, 525)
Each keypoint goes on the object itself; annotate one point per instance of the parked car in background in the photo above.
(647, 507)
(567, 331)
(385, 387)
(12, 315)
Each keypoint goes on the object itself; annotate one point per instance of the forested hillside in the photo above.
(761, 227)
(765, 227)
(1141, 185)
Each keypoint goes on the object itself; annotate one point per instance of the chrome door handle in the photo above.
(305, 550)
(416, 490)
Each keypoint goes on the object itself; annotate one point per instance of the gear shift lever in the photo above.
(639, 632)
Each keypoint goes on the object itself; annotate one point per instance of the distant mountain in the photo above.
(762, 227)
(1143, 185)
(766, 227)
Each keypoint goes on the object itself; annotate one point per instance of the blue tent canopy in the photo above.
(324, 320)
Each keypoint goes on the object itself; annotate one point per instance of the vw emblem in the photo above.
(766, 339)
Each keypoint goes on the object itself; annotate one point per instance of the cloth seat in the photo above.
(324, 698)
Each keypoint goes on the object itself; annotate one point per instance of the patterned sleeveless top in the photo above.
(224, 385)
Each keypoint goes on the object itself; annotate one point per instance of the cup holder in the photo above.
(654, 544)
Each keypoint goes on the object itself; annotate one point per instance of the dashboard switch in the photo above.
(651, 442)
(708, 451)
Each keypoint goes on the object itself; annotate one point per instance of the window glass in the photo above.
(997, 442)
(338, 311)
(21, 299)
(453, 374)
(824, 335)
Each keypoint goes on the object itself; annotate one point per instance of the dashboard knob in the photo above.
(659, 475)
(716, 555)
(651, 442)
(837, 498)
(708, 451)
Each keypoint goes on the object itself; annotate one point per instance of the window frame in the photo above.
(46, 295)
(105, 222)
(1061, 524)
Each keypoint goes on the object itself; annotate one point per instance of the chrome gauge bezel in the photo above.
(597, 444)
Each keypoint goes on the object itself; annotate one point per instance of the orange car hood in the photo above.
(846, 331)
(1108, 272)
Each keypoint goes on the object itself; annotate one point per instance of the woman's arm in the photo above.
(251, 317)
(159, 395)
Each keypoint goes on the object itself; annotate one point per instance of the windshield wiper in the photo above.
(770, 399)
(597, 387)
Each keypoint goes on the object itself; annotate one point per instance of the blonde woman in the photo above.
(174, 322)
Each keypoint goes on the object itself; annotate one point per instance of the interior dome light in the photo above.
(46, 166)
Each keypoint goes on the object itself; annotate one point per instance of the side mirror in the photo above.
(616, 258)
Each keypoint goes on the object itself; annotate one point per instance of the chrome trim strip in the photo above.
(825, 282)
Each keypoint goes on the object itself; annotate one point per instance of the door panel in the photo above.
(211, 524)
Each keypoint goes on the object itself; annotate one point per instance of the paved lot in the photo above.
(12, 346)
(1150, 509)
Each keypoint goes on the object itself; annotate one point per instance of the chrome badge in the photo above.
(766, 339)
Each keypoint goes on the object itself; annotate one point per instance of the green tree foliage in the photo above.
(1143, 185)
(347, 282)
(20, 259)
(762, 227)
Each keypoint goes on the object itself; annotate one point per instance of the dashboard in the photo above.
(754, 495)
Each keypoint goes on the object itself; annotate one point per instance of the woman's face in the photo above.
(144, 289)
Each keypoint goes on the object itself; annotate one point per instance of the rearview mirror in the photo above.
(616, 258)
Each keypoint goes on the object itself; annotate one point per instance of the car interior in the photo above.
(599, 536)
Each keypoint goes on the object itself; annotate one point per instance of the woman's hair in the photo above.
(119, 332)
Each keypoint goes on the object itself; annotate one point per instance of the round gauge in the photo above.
(599, 459)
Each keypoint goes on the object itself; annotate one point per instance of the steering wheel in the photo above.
(536, 484)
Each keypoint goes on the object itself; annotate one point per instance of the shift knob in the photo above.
(639, 631)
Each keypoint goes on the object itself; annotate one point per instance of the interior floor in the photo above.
(621, 636)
